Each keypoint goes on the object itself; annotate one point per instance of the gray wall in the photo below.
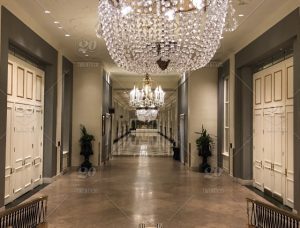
(67, 100)
(14, 31)
(183, 109)
(284, 34)
(223, 72)
(106, 105)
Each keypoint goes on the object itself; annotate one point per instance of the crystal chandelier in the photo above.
(146, 97)
(146, 114)
(160, 36)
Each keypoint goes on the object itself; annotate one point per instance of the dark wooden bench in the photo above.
(28, 214)
(263, 215)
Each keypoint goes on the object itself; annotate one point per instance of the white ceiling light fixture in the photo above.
(162, 36)
(47, 11)
(146, 97)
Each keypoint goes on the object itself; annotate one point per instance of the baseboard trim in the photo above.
(48, 180)
(242, 181)
(295, 211)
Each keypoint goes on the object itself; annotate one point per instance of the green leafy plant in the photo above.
(204, 146)
(86, 146)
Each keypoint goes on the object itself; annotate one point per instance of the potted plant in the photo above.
(86, 147)
(204, 146)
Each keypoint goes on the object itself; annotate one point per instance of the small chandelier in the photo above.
(160, 36)
(146, 114)
(146, 97)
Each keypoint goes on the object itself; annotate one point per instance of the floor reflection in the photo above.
(143, 144)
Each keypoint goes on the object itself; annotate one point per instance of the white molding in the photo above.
(225, 154)
(242, 181)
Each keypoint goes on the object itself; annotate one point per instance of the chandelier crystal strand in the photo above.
(231, 21)
(160, 36)
(146, 115)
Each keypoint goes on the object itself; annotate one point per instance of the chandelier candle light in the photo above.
(160, 36)
(146, 97)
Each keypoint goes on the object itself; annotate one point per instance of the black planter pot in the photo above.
(204, 167)
(86, 164)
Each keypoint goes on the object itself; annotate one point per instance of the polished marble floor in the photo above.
(146, 189)
(142, 144)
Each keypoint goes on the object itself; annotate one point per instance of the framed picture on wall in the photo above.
(103, 124)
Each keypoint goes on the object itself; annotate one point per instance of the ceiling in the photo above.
(79, 19)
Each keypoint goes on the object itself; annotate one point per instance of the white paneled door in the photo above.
(273, 132)
(24, 140)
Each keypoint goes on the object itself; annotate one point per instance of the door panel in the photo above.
(38, 147)
(279, 150)
(258, 149)
(19, 119)
(268, 157)
(28, 144)
(290, 156)
(8, 196)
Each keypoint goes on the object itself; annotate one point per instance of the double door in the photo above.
(24, 138)
(24, 150)
(273, 132)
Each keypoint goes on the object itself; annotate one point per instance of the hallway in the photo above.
(143, 144)
(151, 190)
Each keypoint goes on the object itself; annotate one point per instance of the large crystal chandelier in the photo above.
(146, 97)
(160, 36)
(146, 114)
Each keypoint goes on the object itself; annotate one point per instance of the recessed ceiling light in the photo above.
(86, 55)
(47, 11)
(241, 15)
(56, 22)
(60, 27)
(67, 35)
